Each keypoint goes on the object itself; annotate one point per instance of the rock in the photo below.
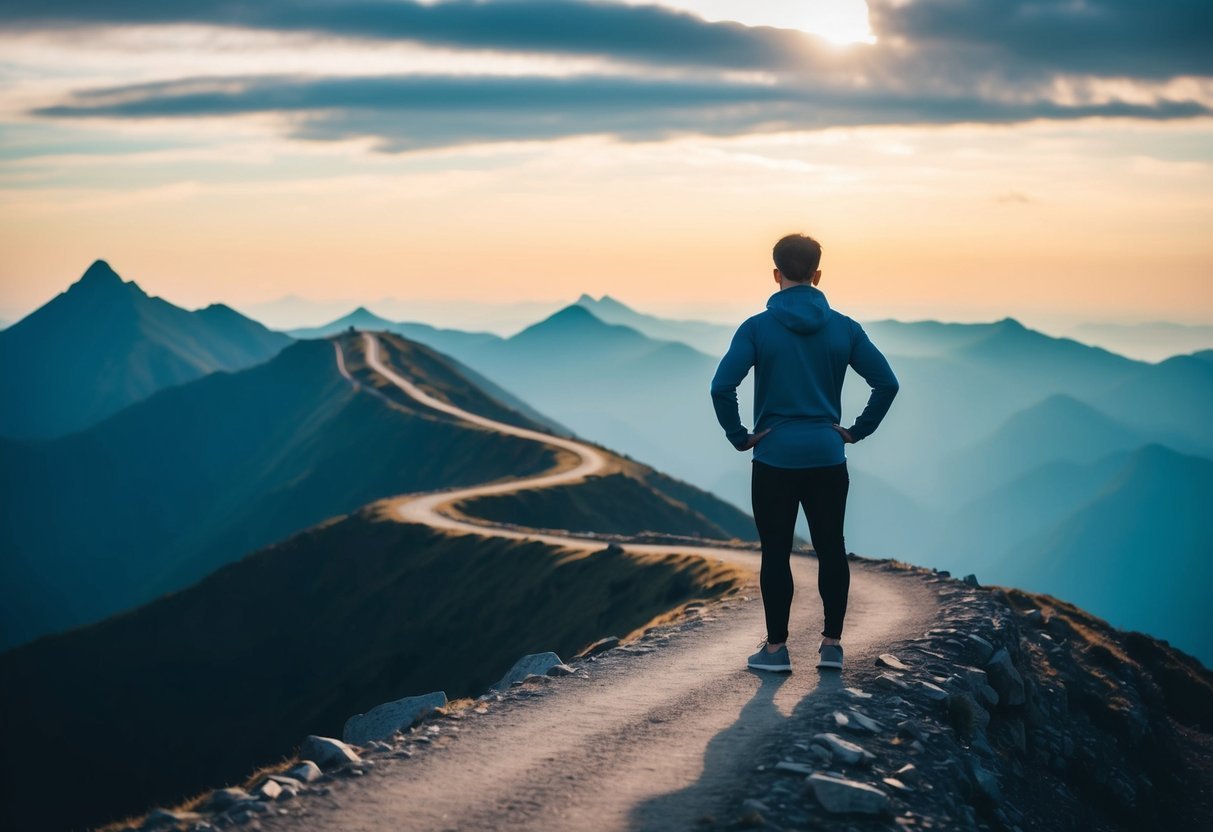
(910, 728)
(978, 682)
(821, 752)
(1005, 679)
(284, 780)
(856, 693)
(908, 773)
(384, 720)
(889, 660)
(327, 752)
(794, 768)
(894, 783)
(561, 669)
(855, 721)
(971, 580)
(978, 648)
(270, 790)
(844, 750)
(600, 646)
(943, 573)
(1035, 618)
(891, 682)
(932, 691)
(839, 795)
(305, 772)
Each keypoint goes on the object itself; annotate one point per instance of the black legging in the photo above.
(777, 495)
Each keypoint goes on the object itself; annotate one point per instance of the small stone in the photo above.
(326, 752)
(856, 693)
(270, 790)
(838, 795)
(1035, 618)
(160, 817)
(222, 799)
(855, 721)
(560, 670)
(978, 648)
(844, 750)
(891, 682)
(933, 692)
(305, 772)
(908, 773)
(600, 646)
(971, 580)
(893, 782)
(889, 660)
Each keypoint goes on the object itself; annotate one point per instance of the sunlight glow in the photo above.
(839, 21)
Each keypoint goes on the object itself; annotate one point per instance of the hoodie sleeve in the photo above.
(732, 369)
(871, 364)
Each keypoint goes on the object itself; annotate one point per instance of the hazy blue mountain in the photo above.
(167, 490)
(104, 343)
(1153, 341)
(1174, 396)
(454, 342)
(710, 338)
(1139, 554)
(615, 385)
(1204, 355)
(1058, 429)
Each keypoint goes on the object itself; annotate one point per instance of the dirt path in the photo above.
(654, 741)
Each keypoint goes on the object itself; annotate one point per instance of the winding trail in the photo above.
(652, 741)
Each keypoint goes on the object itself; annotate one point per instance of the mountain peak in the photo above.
(99, 274)
(585, 300)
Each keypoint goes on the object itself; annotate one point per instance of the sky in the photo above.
(957, 159)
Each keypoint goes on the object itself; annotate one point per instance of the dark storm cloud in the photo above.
(650, 34)
(409, 112)
(1111, 38)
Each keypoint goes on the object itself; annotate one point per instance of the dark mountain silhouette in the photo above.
(204, 685)
(706, 337)
(453, 342)
(104, 344)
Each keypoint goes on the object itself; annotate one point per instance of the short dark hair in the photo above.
(797, 256)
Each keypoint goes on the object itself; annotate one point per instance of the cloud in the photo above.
(935, 62)
(1110, 38)
(417, 111)
(651, 34)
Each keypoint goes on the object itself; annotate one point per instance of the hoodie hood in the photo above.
(802, 309)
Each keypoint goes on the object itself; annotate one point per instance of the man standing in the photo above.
(800, 349)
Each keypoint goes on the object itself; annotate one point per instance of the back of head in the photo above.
(797, 256)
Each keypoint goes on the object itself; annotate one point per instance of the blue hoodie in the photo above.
(800, 349)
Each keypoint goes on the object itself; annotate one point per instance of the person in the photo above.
(800, 348)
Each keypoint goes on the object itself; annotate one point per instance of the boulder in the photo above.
(326, 752)
(532, 663)
(305, 772)
(384, 720)
(977, 649)
(971, 580)
(844, 750)
(1005, 679)
(840, 795)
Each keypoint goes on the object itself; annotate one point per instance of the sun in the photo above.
(839, 21)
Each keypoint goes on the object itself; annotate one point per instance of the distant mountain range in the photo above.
(1147, 341)
(104, 344)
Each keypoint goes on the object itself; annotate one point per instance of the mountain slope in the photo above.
(1058, 429)
(164, 492)
(104, 344)
(204, 685)
(1139, 554)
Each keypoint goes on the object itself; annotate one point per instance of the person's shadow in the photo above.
(731, 755)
